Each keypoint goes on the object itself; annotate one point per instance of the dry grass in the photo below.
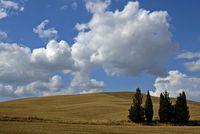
(57, 128)
(101, 112)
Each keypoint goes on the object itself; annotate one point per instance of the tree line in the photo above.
(177, 113)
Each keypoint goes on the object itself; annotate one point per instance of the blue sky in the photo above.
(63, 15)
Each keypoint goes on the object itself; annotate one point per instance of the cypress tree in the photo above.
(136, 111)
(181, 109)
(161, 107)
(166, 109)
(148, 108)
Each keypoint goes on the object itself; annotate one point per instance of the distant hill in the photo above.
(101, 107)
(83, 114)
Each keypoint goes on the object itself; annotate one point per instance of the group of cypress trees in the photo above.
(137, 113)
(178, 113)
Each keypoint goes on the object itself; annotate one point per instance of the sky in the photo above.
(50, 47)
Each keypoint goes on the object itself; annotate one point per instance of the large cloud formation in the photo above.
(23, 70)
(177, 82)
(126, 42)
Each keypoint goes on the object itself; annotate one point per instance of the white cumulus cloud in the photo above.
(177, 82)
(39, 88)
(194, 60)
(36, 88)
(23, 71)
(126, 42)
(82, 81)
(56, 55)
(3, 35)
(8, 6)
(42, 32)
(3, 14)
(97, 6)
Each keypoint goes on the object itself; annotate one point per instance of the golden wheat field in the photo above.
(85, 113)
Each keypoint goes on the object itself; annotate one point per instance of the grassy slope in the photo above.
(100, 107)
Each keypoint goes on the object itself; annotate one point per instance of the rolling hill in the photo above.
(83, 113)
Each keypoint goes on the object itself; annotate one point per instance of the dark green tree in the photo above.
(136, 111)
(166, 109)
(181, 114)
(148, 108)
(160, 112)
